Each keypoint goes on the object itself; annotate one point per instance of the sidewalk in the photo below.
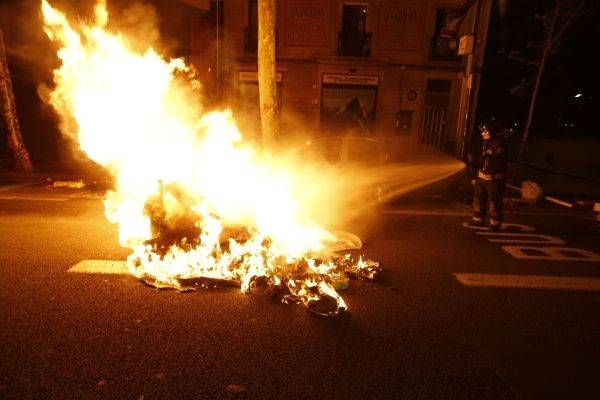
(555, 182)
(454, 196)
(49, 174)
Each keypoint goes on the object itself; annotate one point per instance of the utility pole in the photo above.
(9, 114)
(267, 78)
(465, 106)
(473, 48)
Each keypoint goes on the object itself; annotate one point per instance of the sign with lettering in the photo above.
(401, 25)
(307, 23)
(351, 79)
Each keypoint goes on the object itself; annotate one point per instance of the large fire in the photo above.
(193, 201)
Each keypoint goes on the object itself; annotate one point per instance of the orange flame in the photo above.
(139, 116)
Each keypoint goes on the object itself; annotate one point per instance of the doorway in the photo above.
(435, 113)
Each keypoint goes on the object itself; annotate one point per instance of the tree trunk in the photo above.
(9, 114)
(538, 79)
(267, 83)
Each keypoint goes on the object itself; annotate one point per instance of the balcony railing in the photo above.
(354, 44)
(250, 39)
(443, 49)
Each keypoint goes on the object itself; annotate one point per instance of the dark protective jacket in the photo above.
(494, 158)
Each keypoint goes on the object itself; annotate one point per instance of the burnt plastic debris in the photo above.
(206, 282)
(363, 269)
(325, 306)
(300, 286)
(312, 280)
(179, 227)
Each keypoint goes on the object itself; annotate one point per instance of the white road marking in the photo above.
(519, 227)
(107, 267)
(427, 212)
(461, 206)
(552, 253)
(508, 237)
(529, 281)
(533, 252)
(504, 227)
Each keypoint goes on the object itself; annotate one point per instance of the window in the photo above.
(444, 44)
(438, 86)
(435, 114)
(353, 40)
(251, 31)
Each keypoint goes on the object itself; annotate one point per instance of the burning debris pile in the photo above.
(193, 202)
(190, 249)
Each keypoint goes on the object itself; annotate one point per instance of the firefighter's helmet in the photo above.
(491, 125)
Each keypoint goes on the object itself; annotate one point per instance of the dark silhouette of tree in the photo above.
(9, 115)
(562, 17)
(517, 86)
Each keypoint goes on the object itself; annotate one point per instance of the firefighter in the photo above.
(491, 177)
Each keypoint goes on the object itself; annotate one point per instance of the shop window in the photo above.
(347, 108)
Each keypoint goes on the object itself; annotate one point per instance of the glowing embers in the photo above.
(190, 249)
(288, 280)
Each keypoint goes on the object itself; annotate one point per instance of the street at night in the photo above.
(416, 332)
(299, 199)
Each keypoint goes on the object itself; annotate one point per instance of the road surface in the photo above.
(458, 313)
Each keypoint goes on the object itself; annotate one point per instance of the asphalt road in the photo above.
(418, 332)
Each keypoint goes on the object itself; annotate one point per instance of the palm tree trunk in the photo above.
(9, 114)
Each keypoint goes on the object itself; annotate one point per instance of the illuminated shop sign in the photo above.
(351, 79)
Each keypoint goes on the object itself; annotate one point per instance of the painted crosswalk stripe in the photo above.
(508, 237)
(107, 267)
(449, 213)
(529, 281)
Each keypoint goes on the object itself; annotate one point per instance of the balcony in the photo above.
(443, 49)
(354, 44)
(250, 39)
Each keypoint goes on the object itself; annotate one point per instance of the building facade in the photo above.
(377, 67)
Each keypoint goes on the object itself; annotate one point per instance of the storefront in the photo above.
(349, 102)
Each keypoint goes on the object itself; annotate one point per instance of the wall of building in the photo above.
(398, 67)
